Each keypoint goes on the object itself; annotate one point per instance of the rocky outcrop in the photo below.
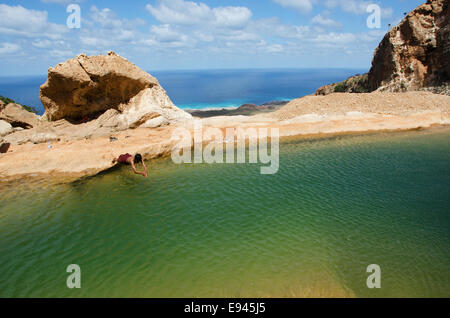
(353, 84)
(413, 55)
(91, 97)
(83, 88)
(17, 116)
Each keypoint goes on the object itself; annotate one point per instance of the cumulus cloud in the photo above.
(182, 12)
(300, 5)
(106, 18)
(184, 28)
(165, 34)
(189, 23)
(18, 21)
(350, 6)
(275, 28)
(324, 21)
(335, 38)
(357, 6)
(42, 44)
(103, 29)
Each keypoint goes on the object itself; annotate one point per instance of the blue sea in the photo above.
(208, 88)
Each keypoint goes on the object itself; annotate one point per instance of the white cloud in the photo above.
(350, 6)
(164, 33)
(18, 21)
(42, 44)
(104, 29)
(232, 17)
(165, 36)
(300, 5)
(275, 48)
(203, 36)
(182, 12)
(333, 39)
(105, 18)
(240, 35)
(274, 27)
(186, 31)
(357, 6)
(21, 19)
(348, 40)
(62, 54)
(324, 21)
(354, 6)
(8, 48)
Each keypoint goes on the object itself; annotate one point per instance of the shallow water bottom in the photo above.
(335, 206)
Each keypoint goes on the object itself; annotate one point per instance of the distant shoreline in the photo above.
(244, 109)
(207, 88)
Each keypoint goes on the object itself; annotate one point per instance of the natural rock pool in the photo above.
(335, 206)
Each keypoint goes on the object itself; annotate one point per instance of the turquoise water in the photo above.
(335, 206)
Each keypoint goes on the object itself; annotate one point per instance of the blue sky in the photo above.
(207, 34)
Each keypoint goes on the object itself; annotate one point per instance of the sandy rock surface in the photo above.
(76, 151)
(83, 88)
(17, 116)
(5, 128)
(401, 104)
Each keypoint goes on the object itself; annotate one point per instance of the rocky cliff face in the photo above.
(413, 55)
(83, 88)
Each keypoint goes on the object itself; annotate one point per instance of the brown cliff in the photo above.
(413, 55)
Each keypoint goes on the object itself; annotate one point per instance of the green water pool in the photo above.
(335, 206)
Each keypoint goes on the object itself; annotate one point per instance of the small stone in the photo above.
(4, 147)
(5, 128)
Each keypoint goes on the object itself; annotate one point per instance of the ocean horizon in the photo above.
(215, 88)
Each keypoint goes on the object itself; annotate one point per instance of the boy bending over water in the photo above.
(131, 160)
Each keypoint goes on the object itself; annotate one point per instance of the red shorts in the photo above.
(124, 158)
